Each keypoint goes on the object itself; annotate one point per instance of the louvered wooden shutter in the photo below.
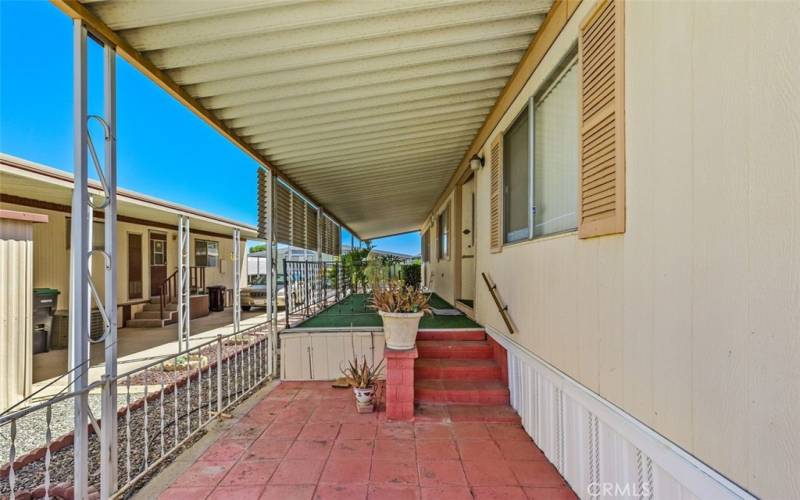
(264, 197)
(311, 225)
(298, 222)
(602, 119)
(283, 214)
(338, 237)
(323, 234)
(496, 195)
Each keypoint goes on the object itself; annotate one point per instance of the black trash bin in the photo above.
(216, 298)
(45, 303)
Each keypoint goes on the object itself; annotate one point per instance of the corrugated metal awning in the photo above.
(367, 107)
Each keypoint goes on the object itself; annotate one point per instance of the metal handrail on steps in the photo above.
(501, 308)
(169, 287)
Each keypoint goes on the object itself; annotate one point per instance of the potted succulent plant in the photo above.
(362, 378)
(401, 308)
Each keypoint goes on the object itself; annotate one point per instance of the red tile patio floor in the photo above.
(305, 440)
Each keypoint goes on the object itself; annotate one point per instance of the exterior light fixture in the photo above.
(475, 163)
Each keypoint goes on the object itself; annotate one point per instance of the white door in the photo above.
(468, 240)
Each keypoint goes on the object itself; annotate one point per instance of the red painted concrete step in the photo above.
(462, 369)
(497, 414)
(477, 392)
(473, 334)
(454, 349)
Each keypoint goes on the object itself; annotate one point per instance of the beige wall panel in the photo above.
(641, 235)
(672, 203)
(16, 311)
(774, 203)
(586, 314)
(721, 358)
(442, 271)
(689, 321)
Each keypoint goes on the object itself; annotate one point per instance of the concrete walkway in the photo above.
(137, 347)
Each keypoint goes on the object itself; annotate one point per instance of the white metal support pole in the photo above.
(108, 451)
(237, 280)
(184, 285)
(319, 233)
(79, 312)
(272, 274)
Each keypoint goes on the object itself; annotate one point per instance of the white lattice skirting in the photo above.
(600, 450)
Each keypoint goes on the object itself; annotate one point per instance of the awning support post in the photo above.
(272, 273)
(184, 291)
(79, 306)
(108, 438)
(237, 280)
(320, 214)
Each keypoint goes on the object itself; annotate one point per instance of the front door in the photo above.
(158, 262)
(467, 295)
(134, 266)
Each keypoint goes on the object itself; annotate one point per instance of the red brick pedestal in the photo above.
(400, 384)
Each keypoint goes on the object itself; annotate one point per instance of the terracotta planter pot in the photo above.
(400, 329)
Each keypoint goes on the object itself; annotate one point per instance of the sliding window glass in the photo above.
(555, 162)
(206, 253)
(516, 179)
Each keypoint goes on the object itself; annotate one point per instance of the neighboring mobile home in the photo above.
(147, 257)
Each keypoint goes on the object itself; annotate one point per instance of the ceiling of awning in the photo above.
(367, 106)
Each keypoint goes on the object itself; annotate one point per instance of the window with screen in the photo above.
(516, 179)
(206, 253)
(555, 162)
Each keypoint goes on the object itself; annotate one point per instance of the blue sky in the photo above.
(163, 149)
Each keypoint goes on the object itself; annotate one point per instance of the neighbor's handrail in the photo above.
(501, 308)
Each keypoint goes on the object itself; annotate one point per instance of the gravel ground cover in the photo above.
(150, 437)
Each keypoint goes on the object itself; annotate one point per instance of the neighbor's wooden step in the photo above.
(148, 323)
(456, 349)
(461, 369)
(475, 392)
(466, 334)
(168, 314)
(157, 307)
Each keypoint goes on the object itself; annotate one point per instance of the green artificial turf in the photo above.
(354, 311)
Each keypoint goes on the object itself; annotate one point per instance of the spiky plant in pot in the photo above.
(401, 308)
(362, 377)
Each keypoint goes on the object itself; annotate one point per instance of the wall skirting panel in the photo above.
(600, 450)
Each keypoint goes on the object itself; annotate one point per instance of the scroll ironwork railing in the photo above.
(310, 286)
(163, 406)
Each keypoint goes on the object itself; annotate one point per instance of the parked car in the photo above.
(255, 295)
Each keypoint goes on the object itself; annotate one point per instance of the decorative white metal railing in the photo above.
(165, 405)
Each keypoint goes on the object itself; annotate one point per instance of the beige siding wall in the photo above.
(440, 271)
(16, 311)
(51, 256)
(690, 321)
